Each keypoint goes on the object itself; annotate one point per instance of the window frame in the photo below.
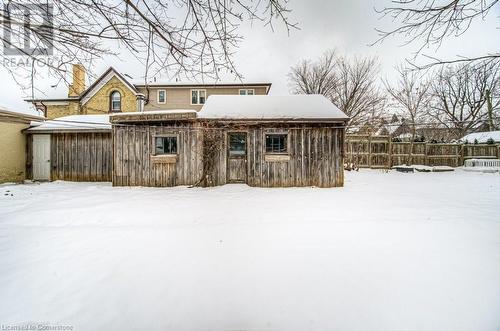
(246, 89)
(111, 110)
(229, 143)
(158, 97)
(198, 97)
(287, 143)
(167, 135)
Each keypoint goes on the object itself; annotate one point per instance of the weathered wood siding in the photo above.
(133, 164)
(81, 157)
(315, 156)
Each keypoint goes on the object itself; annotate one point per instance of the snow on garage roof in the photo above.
(75, 123)
(482, 137)
(267, 107)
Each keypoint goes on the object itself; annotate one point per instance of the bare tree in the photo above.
(350, 83)
(319, 77)
(429, 23)
(410, 94)
(358, 93)
(195, 38)
(460, 96)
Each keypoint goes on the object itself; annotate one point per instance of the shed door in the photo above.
(237, 157)
(41, 157)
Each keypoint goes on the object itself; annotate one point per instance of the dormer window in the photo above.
(116, 102)
(247, 91)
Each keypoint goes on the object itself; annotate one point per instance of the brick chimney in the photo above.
(78, 85)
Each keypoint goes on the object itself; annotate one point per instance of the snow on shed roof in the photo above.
(75, 123)
(482, 137)
(289, 107)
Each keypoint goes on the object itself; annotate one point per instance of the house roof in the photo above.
(168, 84)
(482, 137)
(102, 80)
(270, 107)
(18, 116)
(52, 99)
(74, 123)
(134, 84)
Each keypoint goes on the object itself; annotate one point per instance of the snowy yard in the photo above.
(390, 251)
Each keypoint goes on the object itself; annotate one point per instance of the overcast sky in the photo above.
(346, 25)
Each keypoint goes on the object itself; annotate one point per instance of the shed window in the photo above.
(247, 92)
(198, 97)
(162, 96)
(237, 143)
(116, 101)
(276, 143)
(165, 145)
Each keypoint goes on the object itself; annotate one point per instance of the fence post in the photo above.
(389, 152)
(370, 151)
(426, 151)
(462, 152)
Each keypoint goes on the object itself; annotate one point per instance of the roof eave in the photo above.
(267, 85)
(145, 117)
(93, 130)
(6, 114)
(290, 120)
(52, 99)
(110, 69)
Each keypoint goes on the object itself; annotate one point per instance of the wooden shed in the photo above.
(264, 141)
(72, 148)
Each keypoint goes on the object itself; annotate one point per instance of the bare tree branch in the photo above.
(428, 23)
(193, 38)
(460, 96)
(410, 94)
(350, 83)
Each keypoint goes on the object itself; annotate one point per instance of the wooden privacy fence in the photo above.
(380, 152)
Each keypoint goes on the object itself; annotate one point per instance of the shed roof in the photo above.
(74, 123)
(270, 107)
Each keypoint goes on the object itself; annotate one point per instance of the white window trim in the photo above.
(246, 89)
(198, 99)
(111, 104)
(158, 97)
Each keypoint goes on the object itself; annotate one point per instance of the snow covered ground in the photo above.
(390, 251)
